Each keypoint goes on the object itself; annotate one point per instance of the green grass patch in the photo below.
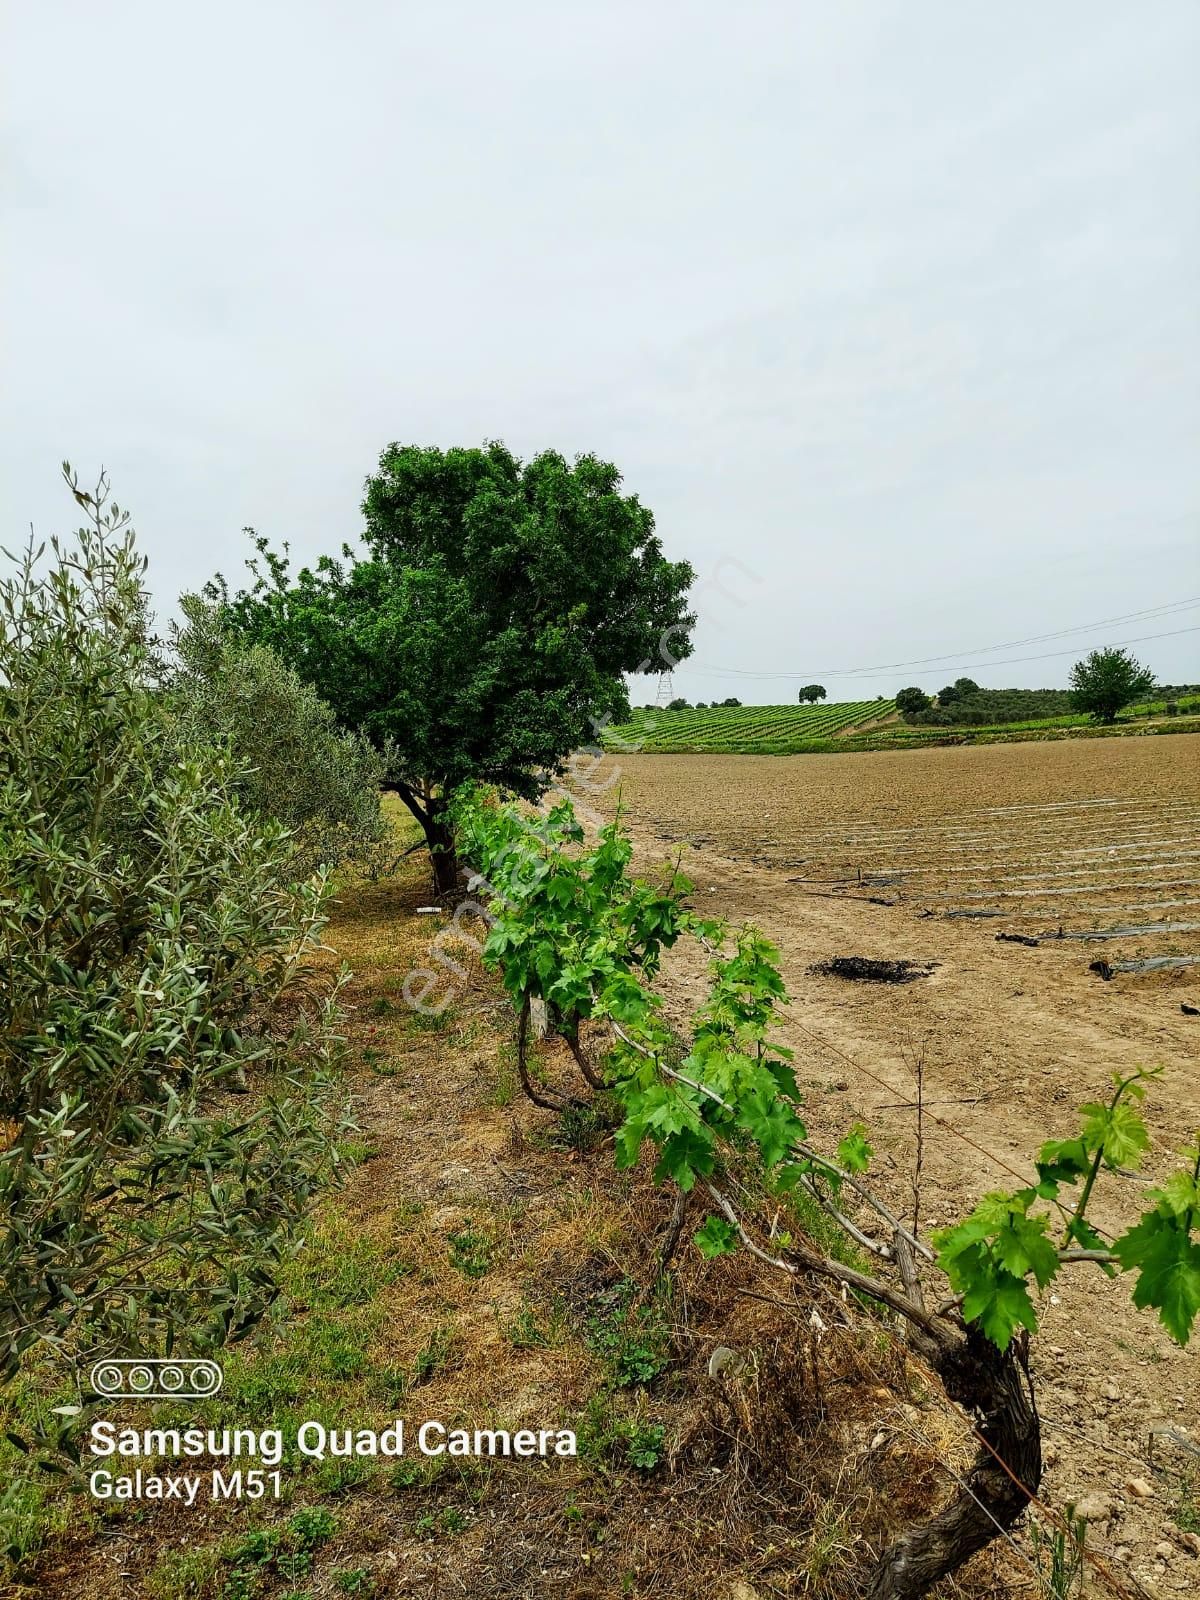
(633, 1338)
(472, 1252)
(247, 1566)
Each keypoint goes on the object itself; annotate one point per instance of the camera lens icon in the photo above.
(148, 1378)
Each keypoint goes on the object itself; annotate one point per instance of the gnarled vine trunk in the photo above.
(996, 1387)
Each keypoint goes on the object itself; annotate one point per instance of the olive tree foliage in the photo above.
(811, 693)
(154, 946)
(291, 759)
(1106, 681)
(960, 689)
(484, 632)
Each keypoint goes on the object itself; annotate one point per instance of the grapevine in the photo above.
(570, 927)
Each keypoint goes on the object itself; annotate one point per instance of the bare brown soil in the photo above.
(1078, 834)
(867, 855)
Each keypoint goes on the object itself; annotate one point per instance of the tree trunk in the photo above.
(430, 811)
(997, 1388)
(443, 852)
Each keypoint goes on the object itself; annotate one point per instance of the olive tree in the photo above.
(292, 760)
(912, 700)
(153, 945)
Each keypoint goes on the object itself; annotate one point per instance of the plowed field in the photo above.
(1090, 836)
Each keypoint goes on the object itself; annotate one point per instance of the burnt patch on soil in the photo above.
(863, 969)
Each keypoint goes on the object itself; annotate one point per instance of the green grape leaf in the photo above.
(683, 1155)
(628, 1142)
(1180, 1194)
(787, 1177)
(771, 1124)
(1022, 1248)
(951, 1242)
(999, 1303)
(785, 1077)
(1061, 1161)
(1117, 1131)
(1167, 1260)
(716, 1238)
(988, 1258)
(854, 1152)
(667, 1108)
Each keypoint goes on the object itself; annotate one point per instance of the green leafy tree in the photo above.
(1106, 680)
(732, 701)
(911, 701)
(811, 693)
(678, 704)
(948, 695)
(485, 632)
(964, 687)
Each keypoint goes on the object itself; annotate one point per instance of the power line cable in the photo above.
(853, 672)
(1168, 608)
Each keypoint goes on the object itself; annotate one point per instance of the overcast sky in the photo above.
(894, 304)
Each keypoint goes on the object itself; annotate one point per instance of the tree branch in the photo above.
(727, 1208)
(872, 1200)
(810, 1261)
(408, 796)
(810, 1154)
(582, 1062)
(674, 1230)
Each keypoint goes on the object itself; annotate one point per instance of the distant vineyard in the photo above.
(750, 730)
(863, 725)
